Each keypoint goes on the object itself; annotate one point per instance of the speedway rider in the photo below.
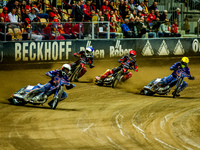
(58, 77)
(86, 57)
(183, 66)
(127, 62)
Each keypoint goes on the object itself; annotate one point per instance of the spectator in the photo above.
(39, 11)
(79, 14)
(37, 29)
(61, 31)
(157, 13)
(127, 12)
(12, 18)
(146, 6)
(175, 15)
(105, 7)
(87, 11)
(111, 5)
(99, 15)
(32, 15)
(68, 28)
(54, 14)
(23, 7)
(93, 6)
(153, 6)
(3, 31)
(132, 27)
(163, 16)
(25, 15)
(113, 26)
(126, 30)
(174, 29)
(155, 27)
(106, 15)
(134, 14)
(164, 28)
(29, 5)
(196, 29)
(186, 26)
(117, 17)
(151, 34)
(4, 15)
(144, 13)
(131, 5)
(137, 2)
(18, 15)
(122, 9)
(140, 7)
(151, 17)
(78, 30)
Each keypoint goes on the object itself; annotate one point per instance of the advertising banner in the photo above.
(51, 51)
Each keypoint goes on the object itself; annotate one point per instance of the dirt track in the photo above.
(94, 117)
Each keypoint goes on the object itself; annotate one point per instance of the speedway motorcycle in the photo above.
(113, 79)
(18, 98)
(77, 70)
(157, 86)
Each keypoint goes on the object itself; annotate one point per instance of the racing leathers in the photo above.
(51, 87)
(84, 58)
(176, 68)
(126, 63)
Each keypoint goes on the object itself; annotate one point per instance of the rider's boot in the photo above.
(177, 93)
(106, 74)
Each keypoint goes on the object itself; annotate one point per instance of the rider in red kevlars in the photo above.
(127, 62)
(84, 56)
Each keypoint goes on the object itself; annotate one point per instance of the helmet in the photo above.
(89, 50)
(184, 62)
(132, 53)
(66, 68)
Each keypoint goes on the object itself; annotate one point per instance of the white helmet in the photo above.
(66, 68)
(89, 50)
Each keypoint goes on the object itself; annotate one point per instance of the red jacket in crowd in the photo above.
(150, 18)
(86, 10)
(5, 16)
(68, 28)
(174, 28)
(104, 8)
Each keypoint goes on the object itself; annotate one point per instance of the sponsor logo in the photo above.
(117, 50)
(179, 50)
(97, 53)
(163, 50)
(195, 45)
(42, 51)
(147, 50)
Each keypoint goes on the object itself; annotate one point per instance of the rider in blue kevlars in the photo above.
(58, 77)
(183, 65)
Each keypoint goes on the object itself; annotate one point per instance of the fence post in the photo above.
(5, 32)
(198, 27)
(108, 30)
(93, 30)
(166, 5)
(181, 16)
(80, 25)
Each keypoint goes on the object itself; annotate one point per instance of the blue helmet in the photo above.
(89, 50)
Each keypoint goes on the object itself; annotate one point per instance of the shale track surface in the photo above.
(101, 118)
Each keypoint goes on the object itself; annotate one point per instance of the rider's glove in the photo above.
(191, 78)
(73, 85)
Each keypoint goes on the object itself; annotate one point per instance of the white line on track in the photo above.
(117, 122)
(166, 144)
(141, 131)
(116, 145)
(88, 127)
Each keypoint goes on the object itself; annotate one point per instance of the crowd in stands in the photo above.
(135, 18)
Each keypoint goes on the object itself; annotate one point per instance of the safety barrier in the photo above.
(54, 51)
